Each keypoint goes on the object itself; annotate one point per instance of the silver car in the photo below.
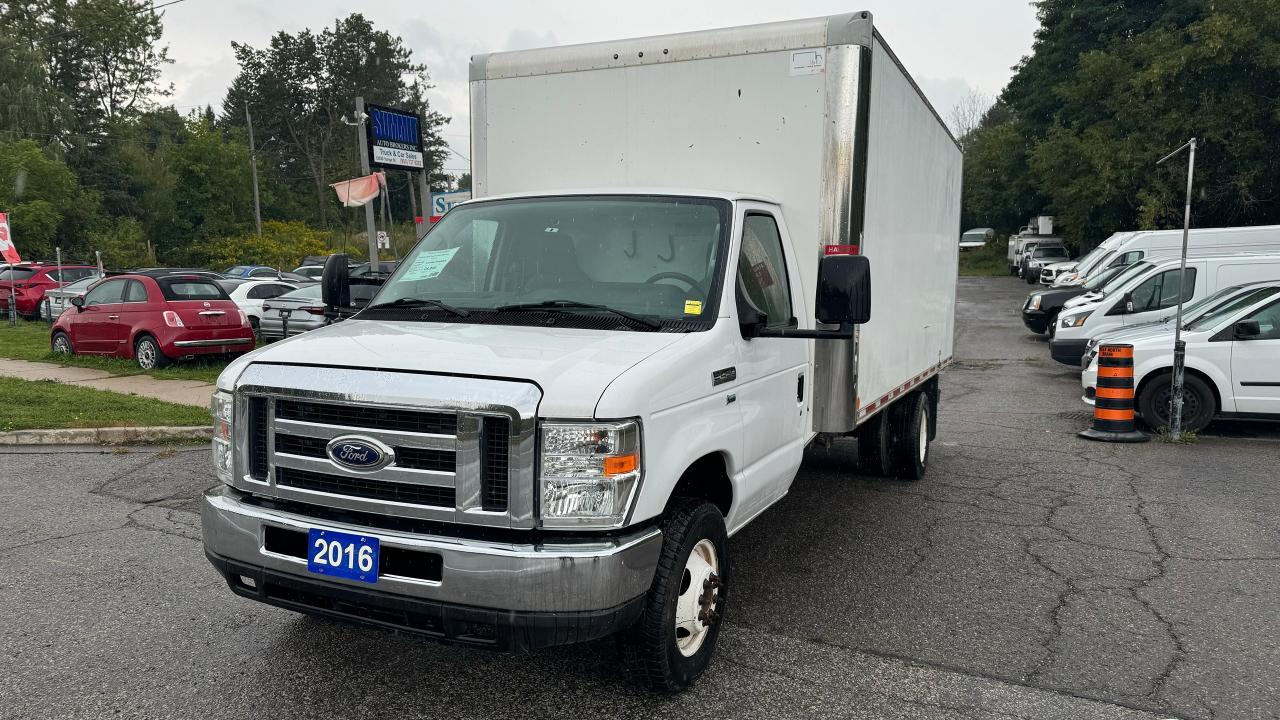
(305, 310)
(60, 298)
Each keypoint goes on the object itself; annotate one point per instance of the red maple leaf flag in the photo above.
(7, 250)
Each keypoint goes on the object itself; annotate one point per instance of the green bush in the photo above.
(990, 259)
(281, 245)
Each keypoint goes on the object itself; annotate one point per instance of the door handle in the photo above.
(113, 317)
(800, 388)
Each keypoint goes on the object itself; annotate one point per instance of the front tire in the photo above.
(1198, 404)
(910, 419)
(146, 351)
(671, 644)
(61, 344)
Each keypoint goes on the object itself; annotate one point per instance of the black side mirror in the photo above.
(750, 319)
(1246, 329)
(335, 282)
(844, 290)
(79, 303)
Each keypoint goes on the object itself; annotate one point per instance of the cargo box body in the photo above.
(816, 115)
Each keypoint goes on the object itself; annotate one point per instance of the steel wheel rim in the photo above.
(146, 355)
(697, 603)
(1164, 405)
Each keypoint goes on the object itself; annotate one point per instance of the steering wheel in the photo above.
(693, 284)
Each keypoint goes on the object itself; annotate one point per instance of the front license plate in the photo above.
(344, 555)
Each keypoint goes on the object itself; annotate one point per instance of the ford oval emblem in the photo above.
(362, 454)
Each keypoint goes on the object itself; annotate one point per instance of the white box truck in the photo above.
(580, 384)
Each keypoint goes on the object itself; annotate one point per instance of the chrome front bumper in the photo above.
(569, 575)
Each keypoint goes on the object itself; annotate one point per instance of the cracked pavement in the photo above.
(1031, 574)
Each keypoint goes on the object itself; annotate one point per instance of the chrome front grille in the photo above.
(463, 446)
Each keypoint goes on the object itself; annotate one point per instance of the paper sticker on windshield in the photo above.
(429, 264)
(692, 307)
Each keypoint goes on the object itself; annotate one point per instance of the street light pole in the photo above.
(253, 163)
(1180, 347)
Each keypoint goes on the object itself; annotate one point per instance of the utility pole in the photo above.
(363, 134)
(1179, 346)
(253, 163)
(425, 189)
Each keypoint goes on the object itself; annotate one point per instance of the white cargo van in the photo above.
(1149, 291)
(1232, 363)
(1080, 270)
(1145, 244)
(564, 401)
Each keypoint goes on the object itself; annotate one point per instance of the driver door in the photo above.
(94, 327)
(1255, 364)
(773, 392)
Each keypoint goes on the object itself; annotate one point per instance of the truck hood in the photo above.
(572, 366)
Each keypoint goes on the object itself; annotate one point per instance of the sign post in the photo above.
(362, 124)
(10, 255)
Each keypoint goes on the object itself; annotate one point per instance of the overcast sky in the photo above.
(949, 47)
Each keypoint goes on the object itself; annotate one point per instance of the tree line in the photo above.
(93, 158)
(1112, 86)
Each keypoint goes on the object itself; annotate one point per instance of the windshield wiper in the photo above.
(574, 304)
(407, 302)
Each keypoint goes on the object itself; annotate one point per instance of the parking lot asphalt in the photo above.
(1031, 574)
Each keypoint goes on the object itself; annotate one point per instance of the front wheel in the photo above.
(62, 344)
(671, 644)
(1198, 404)
(147, 352)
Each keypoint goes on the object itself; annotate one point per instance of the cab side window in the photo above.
(1161, 291)
(109, 292)
(762, 270)
(1268, 322)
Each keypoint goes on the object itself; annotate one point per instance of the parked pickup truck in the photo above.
(563, 402)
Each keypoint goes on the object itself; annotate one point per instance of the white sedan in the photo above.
(249, 295)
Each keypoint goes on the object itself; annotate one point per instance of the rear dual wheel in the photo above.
(895, 441)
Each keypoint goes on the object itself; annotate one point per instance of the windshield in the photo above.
(1231, 307)
(1123, 278)
(81, 285)
(1102, 278)
(235, 270)
(655, 257)
(1050, 252)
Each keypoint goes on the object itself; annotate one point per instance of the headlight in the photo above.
(223, 408)
(590, 472)
(1035, 303)
(1075, 321)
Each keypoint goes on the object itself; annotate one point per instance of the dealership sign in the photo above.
(395, 138)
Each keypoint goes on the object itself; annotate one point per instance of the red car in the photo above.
(30, 280)
(155, 318)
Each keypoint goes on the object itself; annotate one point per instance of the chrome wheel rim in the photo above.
(146, 355)
(697, 607)
(62, 345)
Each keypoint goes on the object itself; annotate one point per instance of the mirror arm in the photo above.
(845, 332)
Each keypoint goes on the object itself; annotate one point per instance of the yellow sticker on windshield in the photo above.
(692, 307)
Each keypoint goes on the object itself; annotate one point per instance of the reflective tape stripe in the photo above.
(1125, 393)
(1105, 414)
(1115, 372)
